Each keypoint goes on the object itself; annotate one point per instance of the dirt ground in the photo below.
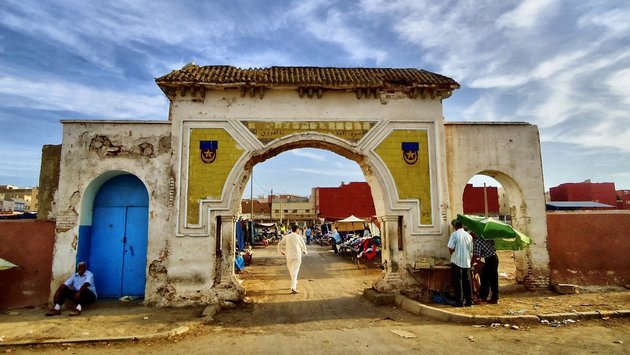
(330, 316)
(515, 299)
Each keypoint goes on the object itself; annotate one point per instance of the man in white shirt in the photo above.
(78, 288)
(460, 245)
(292, 245)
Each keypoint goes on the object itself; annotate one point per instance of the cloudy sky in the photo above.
(562, 65)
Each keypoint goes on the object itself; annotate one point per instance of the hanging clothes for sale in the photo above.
(251, 229)
(240, 239)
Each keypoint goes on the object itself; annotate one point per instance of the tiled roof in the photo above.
(331, 78)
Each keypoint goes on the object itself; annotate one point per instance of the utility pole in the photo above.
(280, 199)
(251, 196)
(271, 208)
(485, 200)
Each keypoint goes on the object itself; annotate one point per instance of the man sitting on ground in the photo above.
(78, 288)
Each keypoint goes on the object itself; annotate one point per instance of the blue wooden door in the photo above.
(119, 238)
(135, 251)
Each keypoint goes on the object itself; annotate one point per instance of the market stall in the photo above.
(350, 224)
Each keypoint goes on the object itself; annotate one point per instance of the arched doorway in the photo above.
(495, 194)
(118, 243)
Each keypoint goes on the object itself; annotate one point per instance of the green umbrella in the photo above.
(504, 236)
(5, 265)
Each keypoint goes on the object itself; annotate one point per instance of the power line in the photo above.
(262, 188)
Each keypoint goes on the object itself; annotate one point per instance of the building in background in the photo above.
(504, 202)
(289, 209)
(481, 200)
(334, 203)
(24, 199)
(6, 206)
(261, 212)
(602, 192)
(623, 199)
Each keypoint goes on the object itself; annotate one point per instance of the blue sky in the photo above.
(562, 65)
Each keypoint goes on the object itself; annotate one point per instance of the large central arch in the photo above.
(377, 182)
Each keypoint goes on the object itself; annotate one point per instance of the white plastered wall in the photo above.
(82, 172)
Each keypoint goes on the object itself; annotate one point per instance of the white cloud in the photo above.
(615, 21)
(333, 27)
(92, 32)
(86, 100)
(483, 109)
(499, 81)
(617, 82)
(347, 175)
(526, 15)
(558, 63)
(307, 154)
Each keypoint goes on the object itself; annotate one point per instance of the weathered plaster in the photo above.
(510, 153)
(81, 165)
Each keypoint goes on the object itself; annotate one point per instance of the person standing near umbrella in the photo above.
(460, 245)
(292, 245)
(489, 271)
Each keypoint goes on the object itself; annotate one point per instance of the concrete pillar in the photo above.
(390, 279)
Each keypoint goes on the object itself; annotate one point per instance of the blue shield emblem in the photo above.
(208, 151)
(410, 152)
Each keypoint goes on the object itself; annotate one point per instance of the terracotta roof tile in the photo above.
(325, 77)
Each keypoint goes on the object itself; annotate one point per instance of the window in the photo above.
(294, 211)
(308, 211)
(277, 211)
(286, 211)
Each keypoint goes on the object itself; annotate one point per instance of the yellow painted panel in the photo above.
(412, 181)
(351, 131)
(206, 180)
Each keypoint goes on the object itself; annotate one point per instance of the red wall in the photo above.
(28, 244)
(589, 248)
(473, 199)
(354, 198)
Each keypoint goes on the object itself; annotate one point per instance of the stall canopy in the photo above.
(265, 224)
(350, 224)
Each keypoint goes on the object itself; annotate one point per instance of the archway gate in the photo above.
(224, 120)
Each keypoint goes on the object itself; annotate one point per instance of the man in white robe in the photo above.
(292, 245)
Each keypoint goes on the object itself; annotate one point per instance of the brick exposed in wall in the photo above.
(48, 180)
